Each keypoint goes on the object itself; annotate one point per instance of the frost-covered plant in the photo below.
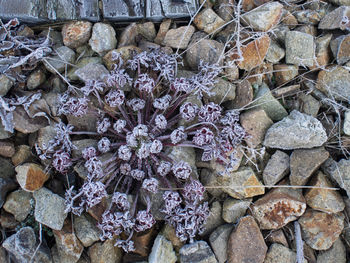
(137, 127)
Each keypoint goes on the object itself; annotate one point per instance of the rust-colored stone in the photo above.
(279, 207)
(31, 176)
(253, 53)
(320, 230)
(143, 242)
(76, 33)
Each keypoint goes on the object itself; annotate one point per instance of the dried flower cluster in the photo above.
(135, 128)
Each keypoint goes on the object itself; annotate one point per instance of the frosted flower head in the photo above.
(144, 221)
(103, 125)
(150, 185)
(178, 135)
(161, 122)
(144, 151)
(188, 111)
(140, 130)
(182, 170)
(162, 103)
(203, 136)
(136, 104)
(156, 146)
(121, 201)
(164, 168)
(209, 113)
(104, 145)
(145, 83)
(124, 153)
(88, 152)
(125, 168)
(115, 98)
(62, 161)
(193, 191)
(137, 174)
(119, 125)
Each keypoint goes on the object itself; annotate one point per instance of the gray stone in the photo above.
(269, 104)
(208, 21)
(300, 49)
(309, 105)
(276, 168)
(336, 254)
(82, 63)
(209, 178)
(147, 30)
(223, 91)
(103, 38)
(4, 134)
(263, 17)
(321, 199)
(214, 219)
(304, 162)
(320, 230)
(91, 71)
(5, 84)
(338, 18)
(346, 127)
(278, 253)
(224, 8)
(275, 52)
(309, 17)
(19, 203)
(76, 33)
(233, 209)
(335, 82)
(129, 36)
(123, 10)
(340, 49)
(162, 251)
(338, 172)
(30, 11)
(23, 245)
(25, 124)
(179, 37)
(49, 208)
(6, 185)
(64, 57)
(86, 230)
(197, 252)
(81, 145)
(7, 170)
(158, 9)
(218, 241)
(35, 79)
(206, 50)
(295, 131)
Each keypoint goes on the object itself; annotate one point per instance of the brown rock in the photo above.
(129, 36)
(231, 70)
(308, 16)
(68, 245)
(241, 184)
(246, 243)
(328, 201)
(7, 149)
(19, 203)
(35, 79)
(105, 252)
(303, 162)
(338, 18)
(179, 38)
(76, 33)
(23, 123)
(264, 17)
(163, 29)
(31, 176)
(206, 50)
(208, 21)
(255, 122)
(320, 230)
(143, 242)
(341, 49)
(323, 51)
(244, 94)
(147, 30)
(278, 207)
(288, 19)
(253, 53)
(284, 73)
(278, 253)
(225, 9)
(278, 237)
(335, 82)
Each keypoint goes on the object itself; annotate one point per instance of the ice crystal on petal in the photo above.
(203, 136)
(62, 161)
(137, 174)
(93, 86)
(144, 151)
(94, 192)
(144, 221)
(125, 168)
(156, 146)
(88, 153)
(140, 130)
(162, 103)
(119, 125)
(121, 201)
(189, 111)
(193, 192)
(136, 104)
(145, 83)
(210, 112)
(164, 168)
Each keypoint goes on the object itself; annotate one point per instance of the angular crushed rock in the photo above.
(197, 252)
(246, 243)
(296, 131)
(276, 168)
(162, 251)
